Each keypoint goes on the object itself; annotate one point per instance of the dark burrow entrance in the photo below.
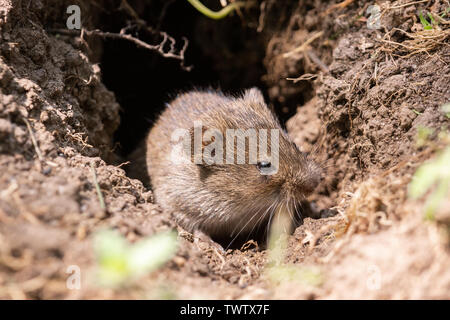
(225, 54)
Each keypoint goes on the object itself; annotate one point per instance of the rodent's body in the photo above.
(224, 199)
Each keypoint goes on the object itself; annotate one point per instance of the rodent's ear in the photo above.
(254, 95)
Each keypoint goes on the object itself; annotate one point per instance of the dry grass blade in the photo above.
(421, 41)
(33, 140)
(97, 187)
(303, 77)
(304, 46)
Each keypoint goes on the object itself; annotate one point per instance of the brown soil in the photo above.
(359, 115)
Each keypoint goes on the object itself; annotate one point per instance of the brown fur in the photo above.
(224, 200)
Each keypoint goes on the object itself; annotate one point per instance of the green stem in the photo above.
(97, 187)
(215, 14)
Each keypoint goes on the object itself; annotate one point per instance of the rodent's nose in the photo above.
(312, 180)
(311, 183)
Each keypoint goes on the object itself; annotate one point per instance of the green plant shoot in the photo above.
(426, 25)
(215, 14)
(276, 270)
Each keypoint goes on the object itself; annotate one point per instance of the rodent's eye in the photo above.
(263, 164)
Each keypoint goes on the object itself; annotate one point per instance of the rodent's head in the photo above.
(247, 188)
(295, 176)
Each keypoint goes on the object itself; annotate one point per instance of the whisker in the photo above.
(243, 228)
(261, 218)
(298, 220)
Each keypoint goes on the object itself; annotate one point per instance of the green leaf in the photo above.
(118, 261)
(110, 249)
(426, 25)
(446, 109)
(436, 172)
(433, 22)
(149, 254)
(289, 273)
(422, 180)
(423, 133)
(436, 198)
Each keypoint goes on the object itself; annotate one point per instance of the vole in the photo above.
(225, 198)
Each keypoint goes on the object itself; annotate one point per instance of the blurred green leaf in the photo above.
(423, 133)
(436, 198)
(150, 253)
(433, 21)
(423, 179)
(291, 273)
(436, 172)
(426, 25)
(446, 109)
(119, 261)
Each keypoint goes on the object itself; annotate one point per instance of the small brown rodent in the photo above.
(224, 200)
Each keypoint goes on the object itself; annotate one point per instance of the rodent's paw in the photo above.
(200, 236)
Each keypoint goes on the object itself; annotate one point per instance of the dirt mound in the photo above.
(357, 98)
